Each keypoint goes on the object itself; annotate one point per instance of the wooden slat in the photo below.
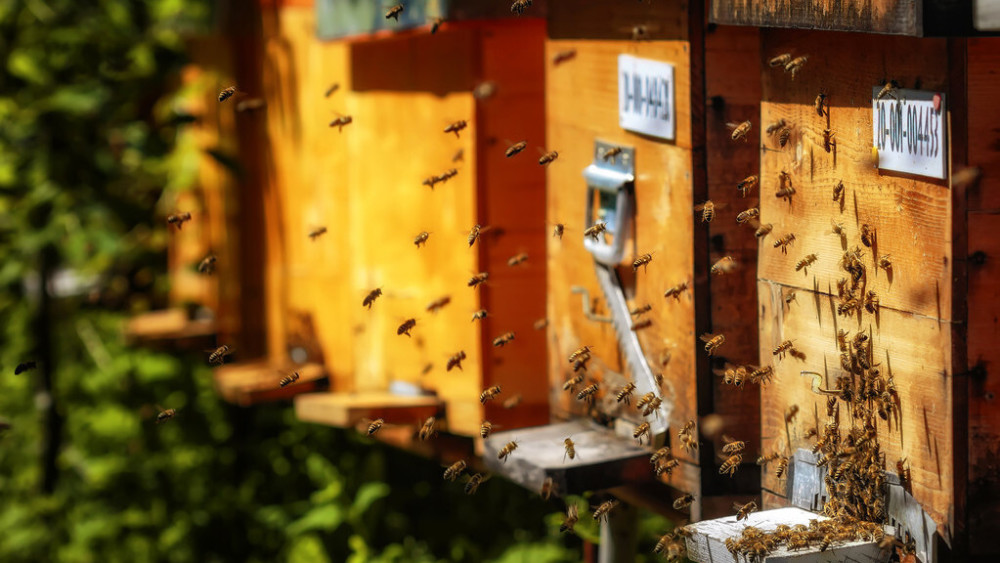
(873, 16)
(343, 409)
(170, 326)
(984, 115)
(257, 382)
(594, 19)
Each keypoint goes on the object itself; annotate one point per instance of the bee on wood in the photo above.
(795, 65)
(871, 302)
(885, 262)
(489, 394)
(639, 325)
(838, 191)
(427, 430)
(740, 130)
(474, 234)
(479, 315)
(611, 153)
(662, 453)
(430, 181)
(747, 184)
(478, 279)
(473, 485)
(745, 216)
(625, 394)
(454, 470)
(371, 297)
(604, 509)
(558, 230)
(375, 426)
(548, 157)
(666, 466)
(595, 231)
(571, 383)
(784, 242)
(785, 193)
(676, 291)
(341, 121)
(683, 502)
(886, 90)
(587, 394)
(579, 353)
(165, 414)
(317, 232)
(779, 471)
(394, 12)
(643, 261)
(639, 311)
(641, 431)
(639, 32)
(780, 60)
(406, 327)
(731, 464)
(570, 449)
(687, 437)
(456, 361)
(867, 235)
(288, 379)
(178, 219)
(503, 339)
(218, 356)
(516, 148)
(541, 324)
(732, 445)
(207, 266)
(547, 487)
(505, 451)
(227, 93)
(775, 127)
(819, 103)
(745, 510)
(25, 366)
(456, 127)
(517, 259)
(782, 348)
(436, 24)
(421, 238)
(563, 56)
(809, 260)
(783, 136)
(763, 230)
(572, 516)
(519, 6)
(485, 429)
(725, 265)
(761, 375)
(789, 297)
(712, 342)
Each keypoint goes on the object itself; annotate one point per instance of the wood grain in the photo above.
(257, 382)
(984, 120)
(874, 16)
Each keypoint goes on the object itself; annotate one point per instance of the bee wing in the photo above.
(706, 337)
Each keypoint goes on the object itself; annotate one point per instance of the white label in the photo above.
(646, 97)
(909, 132)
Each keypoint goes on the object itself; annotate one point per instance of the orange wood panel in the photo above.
(877, 16)
(984, 115)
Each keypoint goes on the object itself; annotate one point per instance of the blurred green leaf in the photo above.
(366, 496)
(326, 517)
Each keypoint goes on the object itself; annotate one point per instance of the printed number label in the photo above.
(646, 96)
(909, 132)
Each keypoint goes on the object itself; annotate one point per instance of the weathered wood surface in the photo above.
(901, 17)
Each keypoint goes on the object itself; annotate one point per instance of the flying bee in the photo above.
(645, 400)
(765, 459)
(478, 279)
(479, 315)
(676, 291)
(505, 451)
(517, 259)
(904, 472)
(604, 509)
(745, 216)
(406, 327)
(456, 127)
(653, 407)
(519, 6)
(745, 510)
(375, 426)
(707, 210)
(885, 262)
(571, 383)
(639, 32)
(625, 394)
(687, 437)
(784, 241)
(371, 297)
(782, 468)
(587, 394)
(639, 325)
(516, 148)
(547, 487)
(789, 297)
(780, 60)
(178, 219)
(782, 348)
(639, 311)
(421, 238)
(436, 24)
(739, 130)
(572, 516)
(712, 342)
(218, 356)
(474, 234)
(725, 265)
(775, 127)
(563, 56)
(227, 93)
(809, 260)
(867, 235)
(317, 232)
(454, 470)
(456, 361)
(886, 90)
(683, 502)
(484, 90)
(763, 230)
(548, 157)
(165, 414)
(341, 121)
(611, 153)
(641, 431)
(25, 366)
(558, 230)
(489, 394)
(207, 266)
(731, 464)
(394, 12)
(761, 375)
(662, 453)
(732, 445)
(473, 485)
(485, 429)
(570, 449)
(288, 379)
(643, 261)
(595, 231)
(795, 65)
(871, 302)
(747, 184)
(503, 339)
(666, 466)
(790, 413)
(579, 353)
(427, 430)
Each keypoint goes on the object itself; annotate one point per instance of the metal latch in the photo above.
(610, 182)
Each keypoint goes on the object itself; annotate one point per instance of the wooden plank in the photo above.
(349, 409)
(594, 19)
(984, 114)
(173, 327)
(911, 214)
(258, 382)
(901, 17)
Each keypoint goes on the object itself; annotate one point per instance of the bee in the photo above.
(639, 32)
(795, 65)
(761, 375)
(789, 297)
(25, 366)
(639, 311)
(659, 454)
(765, 459)
(227, 93)
(732, 446)
(587, 394)
(341, 121)
(640, 431)
(421, 238)
(886, 90)
(317, 232)
(178, 219)
(783, 136)
(456, 361)
(207, 266)
(406, 327)
(454, 470)
(838, 191)
(165, 414)
(639, 325)
(572, 382)
(570, 449)
(783, 242)
(436, 24)
(333, 88)
(503, 339)
(288, 379)
(571, 518)
(218, 356)
(782, 348)
(665, 539)
(548, 157)
(643, 261)
(611, 153)
(485, 429)
(558, 230)
(547, 487)
(375, 426)
(478, 279)
(676, 291)
(447, 175)
(430, 181)
(489, 394)
(712, 342)
(595, 231)
(707, 211)
(687, 438)
(250, 104)
(505, 451)
(740, 130)
(371, 297)
(775, 127)
(904, 472)
(731, 464)
(479, 315)
(519, 6)
(394, 12)
(781, 60)
(456, 127)
(652, 407)
(725, 265)
(604, 509)
(579, 353)
(871, 302)
(625, 394)
(563, 56)
(666, 466)
(683, 502)
(867, 235)
(747, 184)
(427, 430)
(785, 193)
(819, 103)
(516, 148)
(474, 234)
(763, 230)
(745, 216)
(745, 510)
(782, 468)
(809, 260)
(885, 262)
(517, 259)
(473, 485)
(513, 401)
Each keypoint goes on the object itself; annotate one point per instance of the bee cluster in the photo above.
(755, 544)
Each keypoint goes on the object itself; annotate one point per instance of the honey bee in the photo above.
(250, 104)
(406, 327)
(456, 361)
(795, 65)
(763, 230)
(781, 60)
(333, 88)
(371, 297)
(739, 130)
(438, 304)
(227, 93)
(659, 454)
(886, 90)
(572, 382)
(436, 24)
(570, 449)
(513, 401)
(474, 234)
(676, 291)
(427, 430)
(785, 193)
(548, 157)
(775, 127)
(611, 153)
(516, 148)
(731, 464)
(375, 426)
(904, 472)
(394, 12)
(640, 431)
(761, 375)
(871, 302)
(765, 459)
(666, 466)
(489, 394)
(966, 176)
(478, 279)
(652, 407)
(687, 438)
(572, 516)
(809, 260)
(517, 259)
(288, 379)
(639, 32)
(725, 265)
(784, 242)
(485, 429)
(745, 216)
(707, 211)
(732, 446)
(789, 297)
(665, 539)
(218, 356)
(587, 394)
(712, 342)
(643, 261)
(867, 235)
(341, 121)
(683, 502)
(430, 181)
(547, 487)
(317, 232)
(604, 509)
(783, 136)
(207, 266)
(558, 230)
(819, 103)
(519, 6)
(885, 262)
(503, 339)
(595, 231)
(625, 394)
(579, 353)
(505, 451)
(782, 348)
(782, 468)
(479, 315)
(639, 325)
(639, 311)
(747, 184)
(165, 414)
(484, 90)
(454, 470)
(473, 485)
(178, 219)
(745, 510)
(456, 127)
(563, 56)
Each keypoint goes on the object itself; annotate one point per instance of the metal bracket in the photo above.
(588, 310)
(610, 179)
